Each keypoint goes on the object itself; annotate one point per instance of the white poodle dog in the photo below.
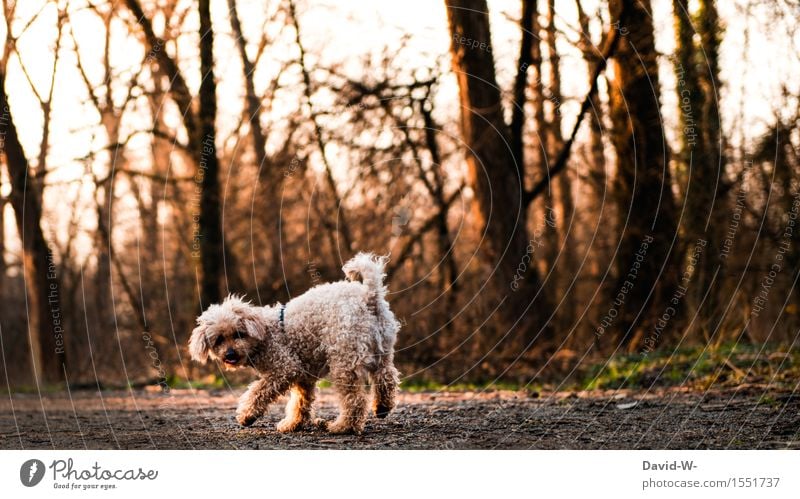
(343, 331)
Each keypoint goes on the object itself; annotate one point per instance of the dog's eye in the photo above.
(239, 334)
(218, 341)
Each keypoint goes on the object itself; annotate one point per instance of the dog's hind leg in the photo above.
(299, 408)
(384, 382)
(353, 402)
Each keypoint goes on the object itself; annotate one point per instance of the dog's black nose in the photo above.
(231, 356)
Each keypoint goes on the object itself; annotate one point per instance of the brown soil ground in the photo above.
(747, 418)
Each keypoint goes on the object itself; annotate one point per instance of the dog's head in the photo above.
(229, 333)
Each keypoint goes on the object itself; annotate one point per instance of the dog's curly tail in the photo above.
(369, 269)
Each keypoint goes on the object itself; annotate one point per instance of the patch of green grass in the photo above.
(212, 381)
(617, 372)
(724, 365)
(769, 401)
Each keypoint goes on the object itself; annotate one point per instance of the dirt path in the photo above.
(187, 419)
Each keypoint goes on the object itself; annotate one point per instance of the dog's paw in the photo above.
(288, 425)
(246, 418)
(381, 411)
(320, 423)
(343, 428)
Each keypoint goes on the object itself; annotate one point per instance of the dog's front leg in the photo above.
(299, 409)
(255, 401)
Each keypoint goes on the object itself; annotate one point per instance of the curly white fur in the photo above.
(343, 331)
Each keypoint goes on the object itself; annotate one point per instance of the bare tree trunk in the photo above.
(541, 157)
(200, 129)
(555, 139)
(555, 143)
(446, 244)
(643, 185)
(714, 207)
(710, 33)
(2, 248)
(517, 128)
(267, 176)
(498, 186)
(103, 207)
(597, 174)
(253, 106)
(693, 159)
(537, 96)
(160, 152)
(104, 190)
(41, 278)
(212, 250)
(554, 135)
(596, 208)
(778, 148)
(701, 158)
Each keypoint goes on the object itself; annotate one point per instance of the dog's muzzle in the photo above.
(231, 357)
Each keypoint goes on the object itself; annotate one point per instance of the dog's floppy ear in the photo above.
(254, 324)
(198, 344)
